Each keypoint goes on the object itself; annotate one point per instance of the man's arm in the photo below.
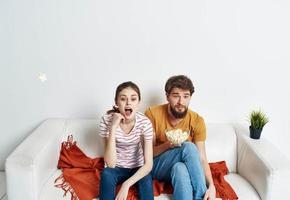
(210, 193)
(159, 149)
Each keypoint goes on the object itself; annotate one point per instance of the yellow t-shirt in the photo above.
(191, 122)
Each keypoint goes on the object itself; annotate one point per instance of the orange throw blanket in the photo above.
(81, 176)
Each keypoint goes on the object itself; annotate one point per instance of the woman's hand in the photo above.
(117, 118)
(123, 192)
(210, 193)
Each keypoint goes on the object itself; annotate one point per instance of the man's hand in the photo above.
(175, 145)
(171, 145)
(123, 192)
(210, 193)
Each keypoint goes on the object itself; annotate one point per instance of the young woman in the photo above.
(128, 146)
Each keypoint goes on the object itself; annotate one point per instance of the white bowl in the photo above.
(177, 136)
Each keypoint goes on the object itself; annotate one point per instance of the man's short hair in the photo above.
(179, 81)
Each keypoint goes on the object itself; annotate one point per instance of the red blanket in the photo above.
(81, 176)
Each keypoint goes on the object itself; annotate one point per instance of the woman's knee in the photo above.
(107, 173)
(108, 183)
(146, 180)
(145, 188)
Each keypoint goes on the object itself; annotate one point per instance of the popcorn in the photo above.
(177, 136)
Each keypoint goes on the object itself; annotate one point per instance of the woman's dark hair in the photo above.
(122, 86)
(179, 81)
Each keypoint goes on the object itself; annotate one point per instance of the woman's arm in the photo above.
(147, 167)
(110, 155)
(140, 173)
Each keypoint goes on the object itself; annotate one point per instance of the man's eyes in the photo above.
(185, 97)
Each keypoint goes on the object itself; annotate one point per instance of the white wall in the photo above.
(236, 52)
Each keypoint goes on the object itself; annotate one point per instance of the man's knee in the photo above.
(189, 148)
(179, 170)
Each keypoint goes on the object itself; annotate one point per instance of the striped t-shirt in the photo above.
(129, 146)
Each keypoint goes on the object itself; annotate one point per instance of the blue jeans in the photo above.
(111, 177)
(182, 167)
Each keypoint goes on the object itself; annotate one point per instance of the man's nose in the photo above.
(180, 100)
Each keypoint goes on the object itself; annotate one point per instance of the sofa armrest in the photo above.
(31, 164)
(263, 165)
(2, 184)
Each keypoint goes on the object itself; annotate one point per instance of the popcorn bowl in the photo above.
(177, 136)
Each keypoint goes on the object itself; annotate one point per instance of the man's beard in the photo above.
(177, 114)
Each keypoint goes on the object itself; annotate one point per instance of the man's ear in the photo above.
(167, 96)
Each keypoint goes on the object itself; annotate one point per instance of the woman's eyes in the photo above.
(124, 99)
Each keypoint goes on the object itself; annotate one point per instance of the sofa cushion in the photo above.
(2, 184)
(243, 188)
(49, 192)
(221, 140)
(221, 144)
(85, 133)
(4, 198)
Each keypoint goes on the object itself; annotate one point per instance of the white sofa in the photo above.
(2, 186)
(257, 169)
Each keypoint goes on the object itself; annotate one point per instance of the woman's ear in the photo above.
(116, 108)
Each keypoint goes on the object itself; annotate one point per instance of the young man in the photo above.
(185, 166)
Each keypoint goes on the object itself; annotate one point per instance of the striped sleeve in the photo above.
(104, 127)
(148, 130)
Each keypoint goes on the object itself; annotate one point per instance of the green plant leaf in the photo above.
(258, 119)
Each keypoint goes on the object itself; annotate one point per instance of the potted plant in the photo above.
(258, 120)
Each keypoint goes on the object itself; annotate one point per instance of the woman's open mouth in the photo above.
(128, 111)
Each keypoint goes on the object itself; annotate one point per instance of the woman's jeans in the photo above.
(111, 177)
(182, 167)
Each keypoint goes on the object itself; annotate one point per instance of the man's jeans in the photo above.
(182, 167)
(111, 177)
